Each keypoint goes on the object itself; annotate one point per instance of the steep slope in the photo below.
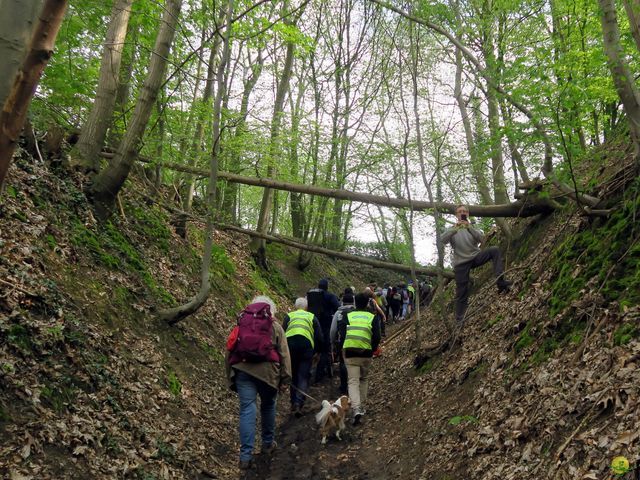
(544, 382)
(91, 384)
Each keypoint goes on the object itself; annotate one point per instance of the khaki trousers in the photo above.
(357, 371)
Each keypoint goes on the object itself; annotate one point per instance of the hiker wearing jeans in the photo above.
(361, 333)
(464, 239)
(257, 365)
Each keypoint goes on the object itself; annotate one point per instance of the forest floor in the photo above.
(301, 456)
(545, 382)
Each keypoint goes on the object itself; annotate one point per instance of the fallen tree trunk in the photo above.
(521, 208)
(430, 271)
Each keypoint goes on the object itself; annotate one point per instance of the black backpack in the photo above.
(315, 300)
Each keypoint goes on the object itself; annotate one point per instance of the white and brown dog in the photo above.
(332, 416)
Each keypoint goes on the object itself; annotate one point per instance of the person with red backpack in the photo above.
(257, 364)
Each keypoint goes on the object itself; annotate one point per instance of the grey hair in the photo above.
(265, 299)
(301, 303)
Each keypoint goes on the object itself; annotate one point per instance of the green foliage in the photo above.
(20, 337)
(458, 419)
(625, 333)
(59, 396)
(151, 223)
(113, 250)
(212, 352)
(20, 216)
(165, 450)
(173, 383)
(428, 366)
(524, 340)
(495, 320)
(221, 264)
(51, 241)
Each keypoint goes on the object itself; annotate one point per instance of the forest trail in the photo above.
(300, 455)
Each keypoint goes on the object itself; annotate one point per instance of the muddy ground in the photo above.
(300, 455)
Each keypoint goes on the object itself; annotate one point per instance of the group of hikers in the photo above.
(264, 357)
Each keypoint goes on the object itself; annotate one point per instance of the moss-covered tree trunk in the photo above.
(94, 130)
(17, 20)
(40, 50)
(175, 315)
(620, 71)
(258, 245)
(107, 184)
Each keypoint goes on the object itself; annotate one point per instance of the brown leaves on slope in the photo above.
(510, 403)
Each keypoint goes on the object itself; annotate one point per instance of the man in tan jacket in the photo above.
(258, 367)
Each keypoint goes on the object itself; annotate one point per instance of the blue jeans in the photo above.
(300, 372)
(249, 388)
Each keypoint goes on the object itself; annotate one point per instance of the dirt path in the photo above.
(300, 454)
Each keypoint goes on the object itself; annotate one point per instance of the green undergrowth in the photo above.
(568, 331)
(110, 247)
(152, 223)
(429, 365)
(173, 383)
(459, 419)
(608, 253)
(625, 333)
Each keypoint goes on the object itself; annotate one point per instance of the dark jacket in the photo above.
(298, 342)
(330, 304)
(376, 336)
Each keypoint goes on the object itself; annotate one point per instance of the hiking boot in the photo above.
(357, 417)
(245, 464)
(268, 449)
(503, 285)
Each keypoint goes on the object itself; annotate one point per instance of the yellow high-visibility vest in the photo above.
(301, 323)
(359, 330)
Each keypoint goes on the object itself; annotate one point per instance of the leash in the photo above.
(305, 394)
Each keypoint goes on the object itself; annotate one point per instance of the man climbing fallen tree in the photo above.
(464, 239)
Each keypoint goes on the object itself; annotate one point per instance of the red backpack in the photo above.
(254, 333)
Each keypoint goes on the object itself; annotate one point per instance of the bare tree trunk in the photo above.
(25, 83)
(94, 131)
(229, 206)
(123, 93)
(632, 7)
(622, 77)
(193, 152)
(258, 245)
(175, 315)
(17, 18)
(437, 215)
(513, 147)
(108, 183)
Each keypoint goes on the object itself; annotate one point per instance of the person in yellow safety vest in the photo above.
(304, 337)
(361, 333)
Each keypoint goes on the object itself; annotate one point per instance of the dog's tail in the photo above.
(322, 415)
